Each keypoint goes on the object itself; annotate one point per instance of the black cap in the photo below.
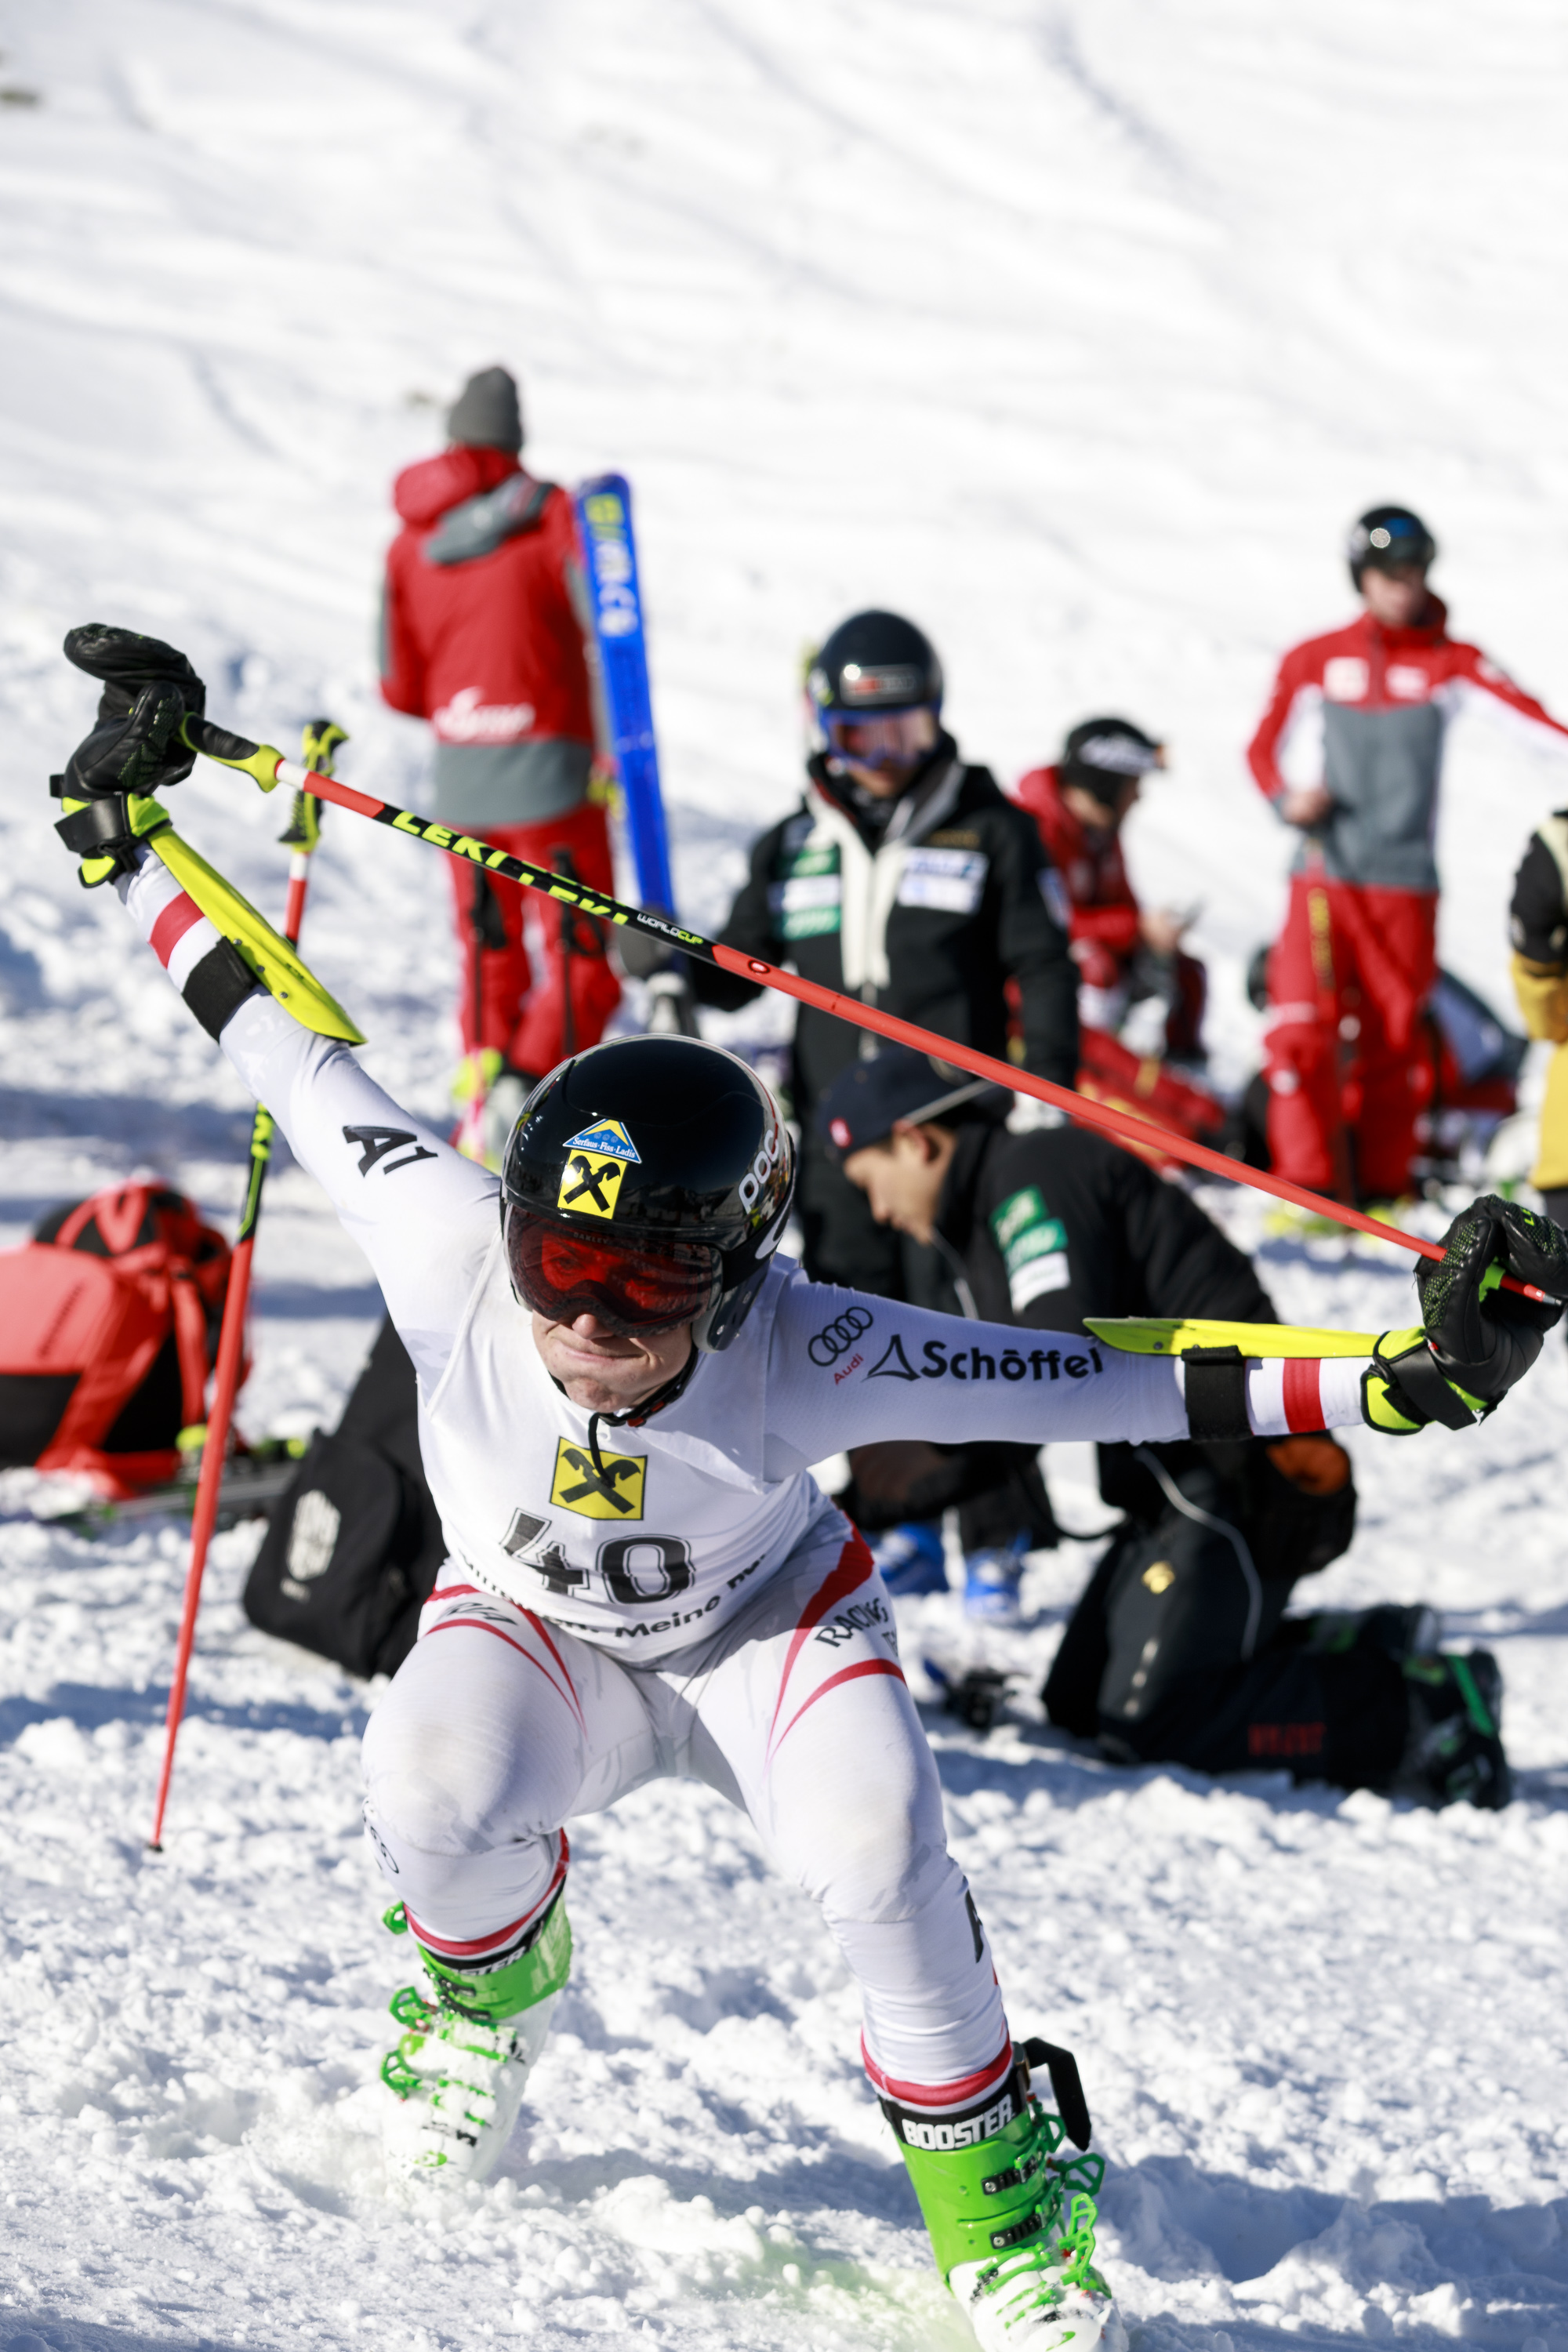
(1099, 748)
(486, 414)
(867, 1101)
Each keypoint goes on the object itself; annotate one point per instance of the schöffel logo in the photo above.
(830, 1343)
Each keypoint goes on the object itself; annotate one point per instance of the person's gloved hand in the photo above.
(1477, 1340)
(149, 688)
(137, 745)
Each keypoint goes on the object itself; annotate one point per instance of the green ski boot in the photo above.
(1011, 2220)
(470, 2041)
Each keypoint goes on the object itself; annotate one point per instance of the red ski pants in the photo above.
(1349, 1068)
(525, 1020)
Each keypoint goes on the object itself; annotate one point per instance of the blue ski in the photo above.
(604, 520)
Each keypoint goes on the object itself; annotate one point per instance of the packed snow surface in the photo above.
(1078, 331)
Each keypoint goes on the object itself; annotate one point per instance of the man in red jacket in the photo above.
(1349, 975)
(484, 632)
(1123, 953)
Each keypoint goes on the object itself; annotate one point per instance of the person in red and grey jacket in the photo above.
(1349, 973)
(485, 633)
(1124, 953)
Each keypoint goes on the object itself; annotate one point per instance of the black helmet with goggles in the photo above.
(648, 1183)
(874, 690)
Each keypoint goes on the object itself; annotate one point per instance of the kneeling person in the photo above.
(1179, 1649)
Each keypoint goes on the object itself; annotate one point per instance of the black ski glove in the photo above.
(1477, 1339)
(1485, 1338)
(148, 690)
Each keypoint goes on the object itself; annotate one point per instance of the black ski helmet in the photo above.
(871, 665)
(667, 1157)
(1097, 750)
(1385, 537)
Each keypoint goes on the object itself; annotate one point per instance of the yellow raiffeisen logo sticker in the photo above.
(591, 1183)
(579, 1487)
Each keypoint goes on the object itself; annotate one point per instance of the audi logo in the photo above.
(841, 1333)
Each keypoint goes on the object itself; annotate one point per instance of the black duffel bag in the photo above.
(354, 1546)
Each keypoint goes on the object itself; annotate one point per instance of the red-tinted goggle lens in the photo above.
(562, 1275)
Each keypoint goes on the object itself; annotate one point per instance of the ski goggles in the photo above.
(880, 739)
(562, 1274)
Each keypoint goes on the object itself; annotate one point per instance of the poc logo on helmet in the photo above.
(830, 1343)
(760, 1169)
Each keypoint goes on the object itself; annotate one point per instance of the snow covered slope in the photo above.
(1078, 331)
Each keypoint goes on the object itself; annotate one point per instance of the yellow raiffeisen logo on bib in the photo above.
(590, 1184)
(579, 1487)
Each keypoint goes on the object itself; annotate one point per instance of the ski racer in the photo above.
(1349, 975)
(485, 633)
(1539, 929)
(908, 879)
(1125, 954)
(1179, 1648)
(623, 1383)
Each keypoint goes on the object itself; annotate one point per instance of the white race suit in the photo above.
(695, 1608)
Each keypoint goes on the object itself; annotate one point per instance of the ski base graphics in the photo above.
(604, 520)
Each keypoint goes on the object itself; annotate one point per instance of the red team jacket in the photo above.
(479, 633)
(1383, 698)
(1103, 927)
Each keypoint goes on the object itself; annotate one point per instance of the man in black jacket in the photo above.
(906, 878)
(1179, 1648)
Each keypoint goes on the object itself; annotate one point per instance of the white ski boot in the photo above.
(469, 2045)
(1012, 2221)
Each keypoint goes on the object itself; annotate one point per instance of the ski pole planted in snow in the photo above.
(268, 767)
(322, 739)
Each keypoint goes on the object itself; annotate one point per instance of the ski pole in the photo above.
(268, 767)
(322, 739)
(471, 1126)
(1319, 921)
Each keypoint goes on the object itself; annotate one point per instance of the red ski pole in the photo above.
(268, 767)
(322, 739)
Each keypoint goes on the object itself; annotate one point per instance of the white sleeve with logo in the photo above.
(424, 1215)
(846, 1368)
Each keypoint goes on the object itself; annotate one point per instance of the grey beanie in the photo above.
(486, 414)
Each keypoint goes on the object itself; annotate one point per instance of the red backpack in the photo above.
(109, 1325)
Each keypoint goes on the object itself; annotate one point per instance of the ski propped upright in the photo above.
(604, 520)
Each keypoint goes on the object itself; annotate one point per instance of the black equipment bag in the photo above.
(355, 1545)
